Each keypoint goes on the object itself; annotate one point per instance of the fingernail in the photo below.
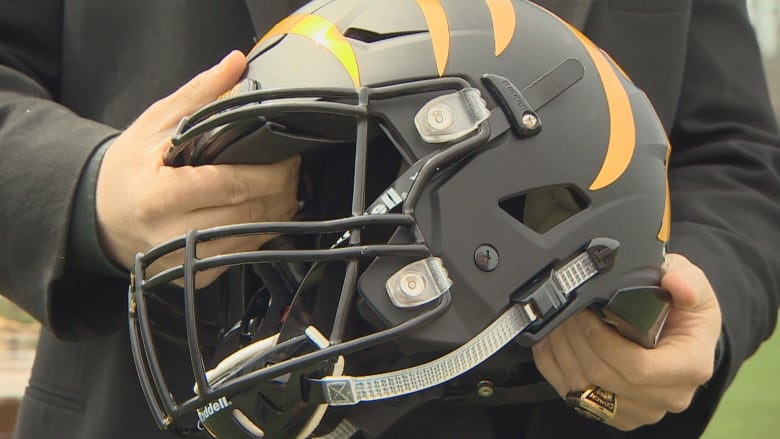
(223, 61)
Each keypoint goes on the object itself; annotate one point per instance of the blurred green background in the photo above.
(11, 312)
(751, 406)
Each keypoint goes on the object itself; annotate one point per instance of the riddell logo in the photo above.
(213, 408)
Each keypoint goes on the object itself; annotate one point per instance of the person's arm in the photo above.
(44, 148)
(51, 157)
(725, 179)
(725, 176)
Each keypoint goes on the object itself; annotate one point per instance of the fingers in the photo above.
(632, 414)
(568, 366)
(138, 210)
(608, 356)
(220, 185)
(686, 282)
(584, 351)
(603, 356)
(280, 208)
(208, 249)
(200, 90)
(548, 366)
(661, 380)
(277, 207)
(563, 366)
(141, 203)
(572, 375)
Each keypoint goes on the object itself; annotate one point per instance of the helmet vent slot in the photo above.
(367, 36)
(542, 209)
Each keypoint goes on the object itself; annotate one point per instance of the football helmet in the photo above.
(473, 173)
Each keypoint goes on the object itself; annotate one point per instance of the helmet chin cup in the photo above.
(639, 313)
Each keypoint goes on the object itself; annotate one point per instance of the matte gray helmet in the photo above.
(474, 173)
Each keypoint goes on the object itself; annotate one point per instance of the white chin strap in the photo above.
(348, 390)
(238, 359)
(340, 390)
(248, 353)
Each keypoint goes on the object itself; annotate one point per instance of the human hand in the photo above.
(140, 202)
(584, 351)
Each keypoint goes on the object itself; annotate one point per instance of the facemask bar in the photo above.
(246, 105)
(159, 398)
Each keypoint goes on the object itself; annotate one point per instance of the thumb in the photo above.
(200, 90)
(686, 283)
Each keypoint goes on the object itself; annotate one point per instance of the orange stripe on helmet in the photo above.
(622, 131)
(324, 33)
(664, 232)
(622, 138)
(504, 22)
(439, 28)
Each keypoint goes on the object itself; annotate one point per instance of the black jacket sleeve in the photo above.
(44, 148)
(725, 175)
(725, 186)
(699, 62)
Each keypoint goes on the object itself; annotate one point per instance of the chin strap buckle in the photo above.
(549, 293)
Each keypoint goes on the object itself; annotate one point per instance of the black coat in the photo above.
(74, 72)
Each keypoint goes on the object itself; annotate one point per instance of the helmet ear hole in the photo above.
(543, 208)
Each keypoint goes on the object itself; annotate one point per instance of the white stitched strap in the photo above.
(575, 272)
(346, 390)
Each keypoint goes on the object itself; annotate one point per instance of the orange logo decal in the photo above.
(622, 131)
(324, 33)
(504, 22)
(663, 234)
(439, 29)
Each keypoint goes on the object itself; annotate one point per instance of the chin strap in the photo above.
(549, 295)
(546, 298)
(348, 390)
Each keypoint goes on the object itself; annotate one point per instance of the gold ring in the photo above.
(593, 402)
